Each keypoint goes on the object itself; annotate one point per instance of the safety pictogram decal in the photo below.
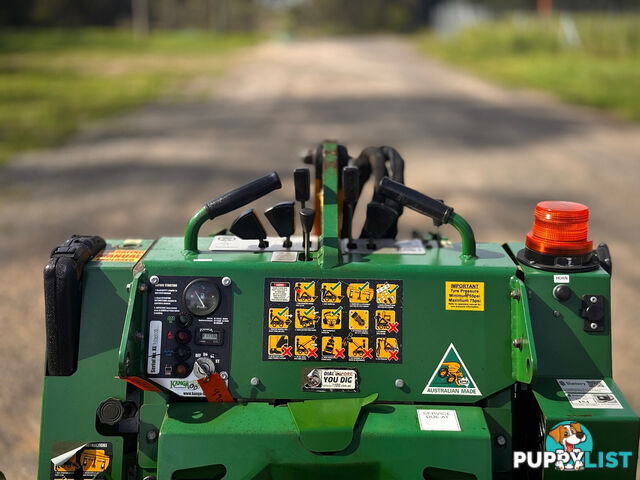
(333, 320)
(451, 377)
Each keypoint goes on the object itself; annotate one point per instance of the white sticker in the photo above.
(561, 279)
(588, 393)
(569, 385)
(155, 337)
(284, 256)
(280, 292)
(439, 420)
(593, 400)
(231, 243)
(451, 377)
(329, 379)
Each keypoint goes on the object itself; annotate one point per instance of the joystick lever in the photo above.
(350, 193)
(249, 227)
(302, 183)
(307, 217)
(379, 218)
(282, 218)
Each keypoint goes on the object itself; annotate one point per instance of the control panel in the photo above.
(189, 332)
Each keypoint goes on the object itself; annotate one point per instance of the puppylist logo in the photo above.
(569, 447)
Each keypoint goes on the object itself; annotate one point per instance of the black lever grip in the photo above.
(302, 184)
(415, 200)
(243, 195)
(350, 185)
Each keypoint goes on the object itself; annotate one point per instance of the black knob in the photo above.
(110, 411)
(182, 352)
(307, 217)
(249, 227)
(562, 292)
(282, 218)
(184, 319)
(302, 183)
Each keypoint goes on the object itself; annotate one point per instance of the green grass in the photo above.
(603, 72)
(53, 81)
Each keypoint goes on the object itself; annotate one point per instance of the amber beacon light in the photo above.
(559, 238)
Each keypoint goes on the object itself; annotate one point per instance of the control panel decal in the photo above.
(189, 333)
(333, 320)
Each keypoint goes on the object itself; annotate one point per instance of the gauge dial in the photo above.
(201, 297)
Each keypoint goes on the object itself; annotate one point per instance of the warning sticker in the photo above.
(332, 320)
(330, 379)
(120, 255)
(87, 461)
(279, 292)
(464, 296)
(438, 420)
(451, 377)
(589, 393)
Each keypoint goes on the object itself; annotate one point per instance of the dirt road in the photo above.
(491, 153)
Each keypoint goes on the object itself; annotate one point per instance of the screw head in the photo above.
(255, 381)
(399, 383)
(593, 300)
(501, 440)
(152, 435)
(224, 375)
(518, 343)
(226, 281)
(154, 280)
(142, 287)
(593, 326)
(515, 294)
(556, 313)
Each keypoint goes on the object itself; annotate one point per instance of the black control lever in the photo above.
(307, 217)
(249, 227)
(350, 193)
(302, 183)
(228, 202)
(282, 218)
(431, 208)
(379, 218)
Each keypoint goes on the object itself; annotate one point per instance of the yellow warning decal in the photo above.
(465, 296)
(332, 318)
(122, 255)
(360, 292)
(305, 291)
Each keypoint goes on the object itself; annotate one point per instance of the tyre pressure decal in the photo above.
(332, 320)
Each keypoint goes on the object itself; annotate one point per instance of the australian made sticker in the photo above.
(451, 377)
(330, 380)
(88, 461)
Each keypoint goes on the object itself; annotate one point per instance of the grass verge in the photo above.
(52, 81)
(599, 67)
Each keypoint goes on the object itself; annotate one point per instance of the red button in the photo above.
(183, 337)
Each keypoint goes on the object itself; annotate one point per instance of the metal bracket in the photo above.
(524, 362)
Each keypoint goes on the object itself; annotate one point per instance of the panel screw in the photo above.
(128, 287)
(152, 435)
(224, 375)
(515, 294)
(255, 381)
(399, 383)
(226, 281)
(593, 300)
(556, 313)
(142, 287)
(517, 343)
(154, 280)
(501, 441)
(594, 326)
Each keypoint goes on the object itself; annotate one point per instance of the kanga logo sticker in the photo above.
(451, 377)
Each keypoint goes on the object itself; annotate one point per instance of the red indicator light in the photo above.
(560, 228)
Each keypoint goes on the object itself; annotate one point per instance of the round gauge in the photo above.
(201, 297)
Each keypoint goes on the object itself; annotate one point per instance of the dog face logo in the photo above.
(569, 440)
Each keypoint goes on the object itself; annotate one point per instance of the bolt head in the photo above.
(556, 313)
(255, 381)
(501, 440)
(399, 383)
(142, 287)
(224, 375)
(152, 435)
(154, 280)
(593, 299)
(226, 281)
(594, 326)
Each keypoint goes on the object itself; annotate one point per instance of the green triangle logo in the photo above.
(451, 377)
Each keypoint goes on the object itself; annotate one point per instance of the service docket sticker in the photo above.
(330, 380)
(438, 420)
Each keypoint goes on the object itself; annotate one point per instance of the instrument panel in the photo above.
(189, 332)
